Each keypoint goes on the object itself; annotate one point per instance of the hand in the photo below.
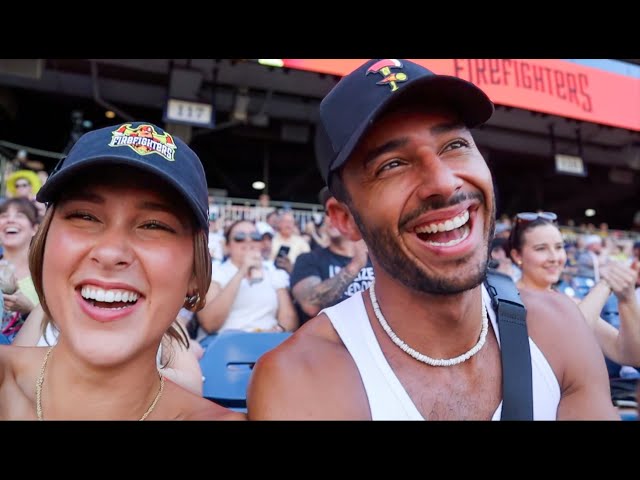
(284, 263)
(17, 302)
(252, 259)
(310, 228)
(8, 282)
(621, 279)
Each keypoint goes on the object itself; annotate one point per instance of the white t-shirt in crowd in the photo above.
(216, 241)
(256, 305)
(297, 245)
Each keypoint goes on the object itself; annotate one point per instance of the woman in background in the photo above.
(247, 293)
(18, 225)
(537, 247)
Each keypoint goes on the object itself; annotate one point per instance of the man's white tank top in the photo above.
(388, 400)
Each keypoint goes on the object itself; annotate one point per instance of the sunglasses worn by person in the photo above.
(522, 220)
(531, 216)
(242, 237)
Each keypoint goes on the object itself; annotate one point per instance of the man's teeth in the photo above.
(455, 241)
(109, 296)
(455, 222)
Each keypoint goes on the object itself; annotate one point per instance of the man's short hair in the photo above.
(324, 196)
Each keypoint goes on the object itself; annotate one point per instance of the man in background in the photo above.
(287, 236)
(326, 276)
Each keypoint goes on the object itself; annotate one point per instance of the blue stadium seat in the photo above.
(628, 415)
(228, 361)
(610, 312)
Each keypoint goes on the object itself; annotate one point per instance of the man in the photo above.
(286, 236)
(393, 145)
(267, 233)
(282, 262)
(326, 276)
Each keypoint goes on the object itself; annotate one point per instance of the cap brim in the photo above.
(472, 105)
(57, 182)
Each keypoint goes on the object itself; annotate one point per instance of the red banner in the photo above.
(556, 87)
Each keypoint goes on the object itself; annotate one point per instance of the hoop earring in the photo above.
(191, 301)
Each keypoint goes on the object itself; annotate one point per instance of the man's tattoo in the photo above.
(327, 293)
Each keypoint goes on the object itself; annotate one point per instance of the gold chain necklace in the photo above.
(40, 381)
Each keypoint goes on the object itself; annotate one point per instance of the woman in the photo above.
(18, 225)
(247, 293)
(122, 247)
(537, 247)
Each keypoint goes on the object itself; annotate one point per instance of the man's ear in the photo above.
(342, 219)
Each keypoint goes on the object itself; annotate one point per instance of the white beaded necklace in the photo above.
(434, 362)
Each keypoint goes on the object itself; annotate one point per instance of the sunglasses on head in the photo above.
(243, 236)
(531, 216)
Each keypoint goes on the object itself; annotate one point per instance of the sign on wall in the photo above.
(557, 87)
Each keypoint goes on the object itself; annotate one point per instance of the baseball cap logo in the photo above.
(383, 67)
(144, 140)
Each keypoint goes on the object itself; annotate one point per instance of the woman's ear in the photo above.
(193, 283)
(342, 219)
(516, 257)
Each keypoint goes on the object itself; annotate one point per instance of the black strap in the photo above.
(517, 389)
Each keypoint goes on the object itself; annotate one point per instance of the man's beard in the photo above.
(385, 248)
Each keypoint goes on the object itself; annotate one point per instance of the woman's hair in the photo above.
(22, 205)
(520, 227)
(201, 270)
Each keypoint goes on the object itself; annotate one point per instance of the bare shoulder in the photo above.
(19, 368)
(555, 323)
(315, 338)
(15, 360)
(558, 328)
(186, 405)
(208, 410)
(304, 377)
(551, 310)
(302, 354)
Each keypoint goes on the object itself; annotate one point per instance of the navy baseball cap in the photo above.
(143, 146)
(359, 98)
